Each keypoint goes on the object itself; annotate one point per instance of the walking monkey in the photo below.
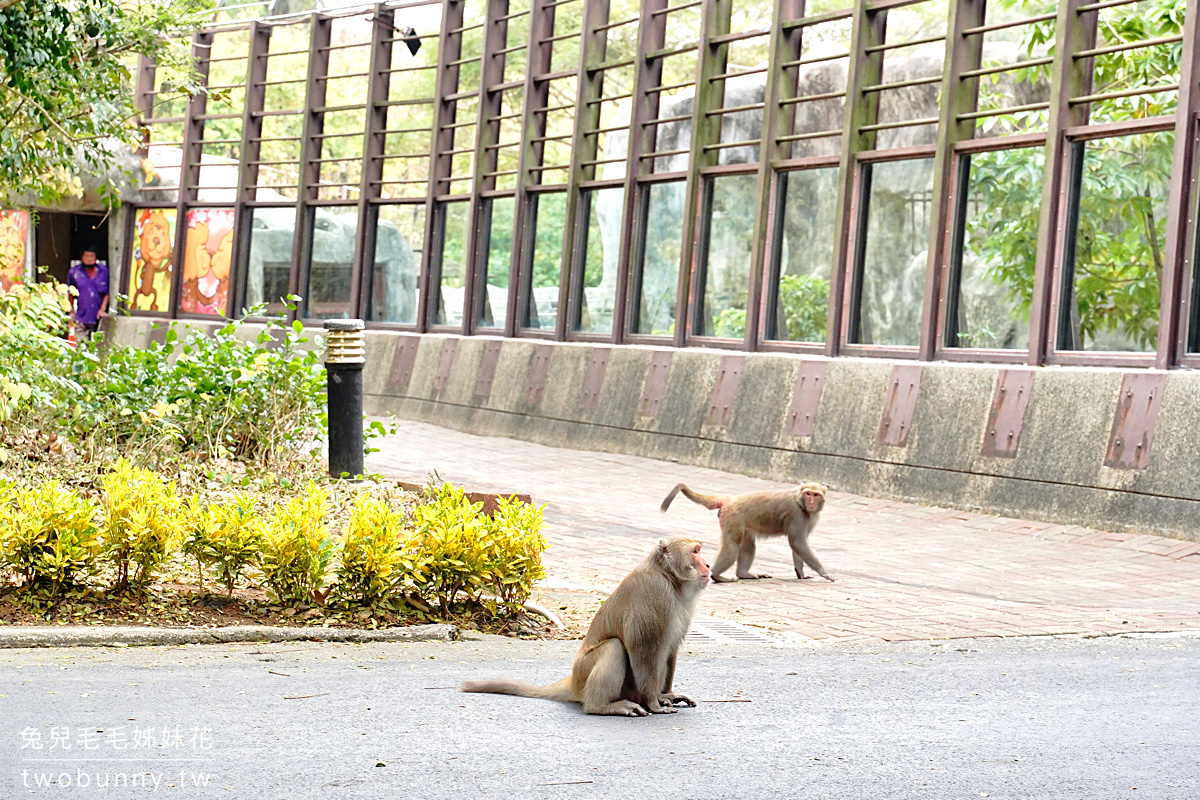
(788, 512)
(626, 664)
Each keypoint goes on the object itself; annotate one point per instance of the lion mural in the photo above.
(13, 228)
(153, 253)
(207, 261)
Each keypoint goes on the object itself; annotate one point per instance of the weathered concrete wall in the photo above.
(1058, 473)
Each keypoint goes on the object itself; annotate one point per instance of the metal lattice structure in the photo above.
(912, 179)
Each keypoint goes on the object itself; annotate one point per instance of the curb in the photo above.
(55, 636)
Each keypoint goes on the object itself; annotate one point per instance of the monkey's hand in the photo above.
(673, 699)
(827, 577)
(660, 706)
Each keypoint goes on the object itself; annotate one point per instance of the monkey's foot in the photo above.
(719, 579)
(676, 700)
(828, 578)
(751, 577)
(658, 707)
(622, 708)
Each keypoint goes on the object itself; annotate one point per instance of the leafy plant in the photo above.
(227, 536)
(48, 536)
(517, 545)
(140, 522)
(297, 549)
(370, 551)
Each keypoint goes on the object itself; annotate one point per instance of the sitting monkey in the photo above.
(626, 664)
(788, 512)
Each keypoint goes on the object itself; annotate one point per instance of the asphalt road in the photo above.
(1023, 719)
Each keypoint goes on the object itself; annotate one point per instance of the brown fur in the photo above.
(626, 664)
(743, 517)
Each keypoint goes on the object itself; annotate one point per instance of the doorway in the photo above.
(60, 236)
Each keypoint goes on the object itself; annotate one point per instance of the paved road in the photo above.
(1021, 719)
(904, 571)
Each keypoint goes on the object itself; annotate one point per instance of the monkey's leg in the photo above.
(668, 697)
(648, 665)
(605, 671)
(803, 554)
(745, 558)
(726, 555)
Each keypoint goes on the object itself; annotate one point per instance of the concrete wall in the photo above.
(1058, 473)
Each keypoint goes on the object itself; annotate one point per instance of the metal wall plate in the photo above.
(449, 350)
(593, 379)
(655, 387)
(806, 396)
(487, 369)
(403, 362)
(1002, 436)
(904, 386)
(1133, 426)
(539, 366)
(720, 404)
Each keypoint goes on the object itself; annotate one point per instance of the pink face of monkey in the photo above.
(701, 565)
(812, 497)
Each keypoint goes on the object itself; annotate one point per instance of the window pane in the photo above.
(1115, 256)
(152, 260)
(892, 271)
(452, 263)
(662, 227)
(399, 243)
(602, 248)
(803, 254)
(497, 261)
(331, 262)
(998, 248)
(548, 214)
(208, 255)
(729, 247)
(269, 265)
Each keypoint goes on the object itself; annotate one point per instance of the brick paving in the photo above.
(903, 571)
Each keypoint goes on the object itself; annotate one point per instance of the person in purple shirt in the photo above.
(90, 302)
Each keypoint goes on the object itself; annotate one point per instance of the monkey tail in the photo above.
(708, 501)
(561, 691)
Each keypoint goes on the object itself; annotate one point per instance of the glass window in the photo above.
(269, 260)
(996, 248)
(399, 244)
(802, 254)
(452, 263)
(657, 270)
(893, 237)
(497, 260)
(1114, 255)
(548, 213)
(604, 209)
(331, 262)
(152, 260)
(207, 258)
(728, 247)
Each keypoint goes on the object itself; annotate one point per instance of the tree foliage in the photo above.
(66, 84)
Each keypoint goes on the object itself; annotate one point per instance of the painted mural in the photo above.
(14, 228)
(207, 260)
(153, 258)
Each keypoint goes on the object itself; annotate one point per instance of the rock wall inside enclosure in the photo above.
(1089, 446)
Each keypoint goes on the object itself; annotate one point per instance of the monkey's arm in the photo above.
(801, 553)
(668, 697)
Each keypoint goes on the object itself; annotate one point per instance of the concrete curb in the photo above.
(54, 636)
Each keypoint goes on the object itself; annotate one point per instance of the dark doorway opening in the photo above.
(61, 236)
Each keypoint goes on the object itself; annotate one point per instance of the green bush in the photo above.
(370, 551)
(456, 552)
(48, 536)
(141, 523)
(296, 548)
(226, 536)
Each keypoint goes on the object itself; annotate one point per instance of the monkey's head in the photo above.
(679, 557)
(812, 497)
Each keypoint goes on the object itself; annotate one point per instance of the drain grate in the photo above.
(711, 629)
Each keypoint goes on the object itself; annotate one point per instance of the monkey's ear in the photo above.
(663, 547)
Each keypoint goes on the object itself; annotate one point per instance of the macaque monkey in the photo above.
(789, 512)
(626, 664)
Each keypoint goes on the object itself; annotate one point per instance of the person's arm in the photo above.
(103, 312)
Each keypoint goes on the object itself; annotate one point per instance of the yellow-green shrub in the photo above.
(370, 551)
(48, 536)
(140, 521)
(227, 536)
(454, 550)
(296, 547)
